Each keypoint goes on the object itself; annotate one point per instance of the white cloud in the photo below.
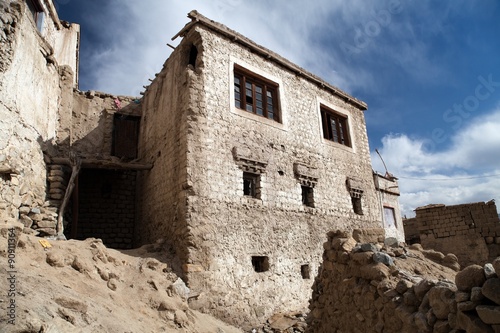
(309, 34)
(467, 171)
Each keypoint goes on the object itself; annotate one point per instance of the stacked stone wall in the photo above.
(471, 231)
(366, 286)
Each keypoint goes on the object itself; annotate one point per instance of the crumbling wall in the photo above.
(92, 122)
(30, 96)
(365, 286)
(471, 231)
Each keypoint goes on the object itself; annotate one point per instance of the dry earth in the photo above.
(82, 286)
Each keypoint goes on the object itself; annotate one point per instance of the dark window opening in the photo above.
(193, 54)
(125, 136)
(356, 205)
(305, 271)
(307, 196)
(251, 185)
(260, 263)
(256, 94)
(335, 127)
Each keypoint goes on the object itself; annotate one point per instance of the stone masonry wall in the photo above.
(228, 229)
(471, 231)
(365, 286)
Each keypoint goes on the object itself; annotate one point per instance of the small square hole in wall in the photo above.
(6, 177)
(305, 271)
(260, 263)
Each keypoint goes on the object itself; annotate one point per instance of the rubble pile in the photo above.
(368, 286)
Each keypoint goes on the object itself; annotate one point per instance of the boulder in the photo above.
(489, 314)
(383, 258)
(470, 276)
(496, 266)
(489, 271)
(491, 290)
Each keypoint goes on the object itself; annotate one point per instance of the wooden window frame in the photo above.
(338, 133)
(117, 134)
(246, 82)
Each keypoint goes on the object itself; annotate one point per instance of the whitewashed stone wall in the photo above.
(193, 196)
(388, 195)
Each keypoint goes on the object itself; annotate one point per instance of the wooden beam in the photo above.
(105, 164)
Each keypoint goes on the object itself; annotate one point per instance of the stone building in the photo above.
(237, 158)
(470, 231)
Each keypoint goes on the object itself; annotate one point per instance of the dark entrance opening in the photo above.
(105, 207)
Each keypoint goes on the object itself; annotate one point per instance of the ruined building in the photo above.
(239, 159)
(471, 231)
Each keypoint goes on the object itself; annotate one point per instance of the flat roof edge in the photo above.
(197, 18)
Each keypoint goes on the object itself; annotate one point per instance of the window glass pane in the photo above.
(334, 130)
(389, 217)
(341, 134)
(254, 95)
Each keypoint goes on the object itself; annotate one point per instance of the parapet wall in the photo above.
(366, 286)
(471, 231)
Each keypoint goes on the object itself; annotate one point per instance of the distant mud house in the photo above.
(238, 158)
(471, 231)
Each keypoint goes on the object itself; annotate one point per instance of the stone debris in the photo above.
(416, 293)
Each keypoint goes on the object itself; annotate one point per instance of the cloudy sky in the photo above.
(428, 70)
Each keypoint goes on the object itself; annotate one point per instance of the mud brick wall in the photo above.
(471, 231)
(107, 206)
(412, 235)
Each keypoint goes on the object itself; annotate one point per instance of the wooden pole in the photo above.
(76, 163)
(76, 206)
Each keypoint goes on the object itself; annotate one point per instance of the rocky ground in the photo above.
(82, 286)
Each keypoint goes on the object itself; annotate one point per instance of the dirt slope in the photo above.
(82, 286)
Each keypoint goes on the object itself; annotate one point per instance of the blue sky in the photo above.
(428, 70)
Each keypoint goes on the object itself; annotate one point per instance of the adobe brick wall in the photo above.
(107, 206)
(470, 231)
